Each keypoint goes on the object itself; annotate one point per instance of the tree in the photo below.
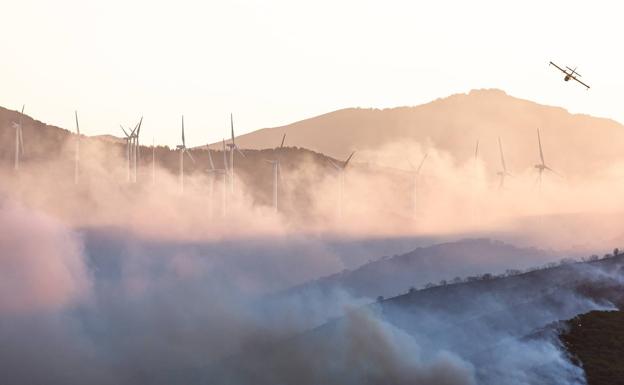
(412, 289)
(512, 272)
(616, 251)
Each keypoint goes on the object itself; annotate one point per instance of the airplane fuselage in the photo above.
(567, 78)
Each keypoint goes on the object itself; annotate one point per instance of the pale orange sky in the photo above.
(272, 62)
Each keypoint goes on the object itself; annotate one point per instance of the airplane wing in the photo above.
(559, 68)
(580, 82)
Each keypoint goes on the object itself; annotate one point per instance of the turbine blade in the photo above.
(283, 138)
(183, 141)
(477, 150)
(500, 147)
(77, 125)
(140, 123)
(187, 152)
(333, 164)
(212, 167)
(553, 171)
(421, 163)
(21, 133)
(539, 141)
(348, 159)
(232, 127)
(240, 152)
(124, 131)
(132, 132)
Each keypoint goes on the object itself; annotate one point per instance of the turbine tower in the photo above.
(183, 150)
(128, 144)
(136, 146)
(542, 165)
(153, 161)
(77, 153)
(215, 172)
(232, 146)
(503, 172)
(276, 172)
(341, 171)
(19, 140)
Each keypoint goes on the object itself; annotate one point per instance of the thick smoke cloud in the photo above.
(138, 283)
(381, 197)
(41, 264)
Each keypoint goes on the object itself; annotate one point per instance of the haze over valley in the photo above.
(281, 193)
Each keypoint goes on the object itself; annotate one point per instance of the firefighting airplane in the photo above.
(570, 74)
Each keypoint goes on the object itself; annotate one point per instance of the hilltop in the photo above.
(454, 124)
(444, 262)
(105, 156)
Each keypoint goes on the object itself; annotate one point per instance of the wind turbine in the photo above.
(19, 140)
(341, 171)
(77, 153)
(503, 172)
(129, 145)
(183, 150)
(542, 165)
(232, 146)
(135, 153)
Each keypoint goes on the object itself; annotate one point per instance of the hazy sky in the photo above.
(272, 62)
